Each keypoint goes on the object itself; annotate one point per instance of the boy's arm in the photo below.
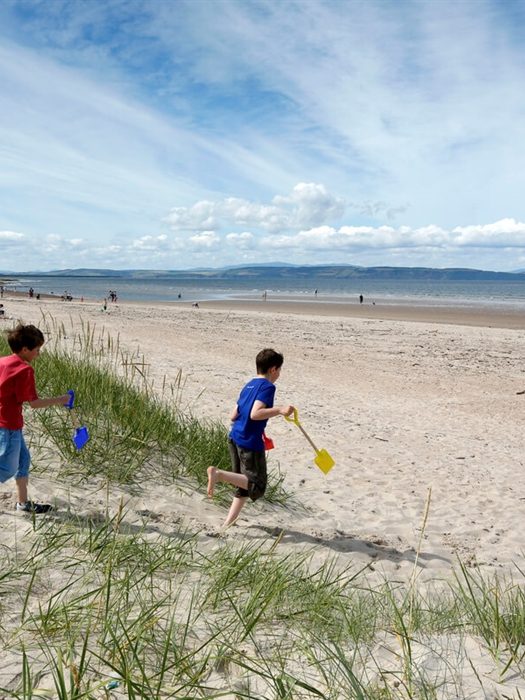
(234, 414)
(261, 412)
(54, 401)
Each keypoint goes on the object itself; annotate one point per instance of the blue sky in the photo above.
(170, 134)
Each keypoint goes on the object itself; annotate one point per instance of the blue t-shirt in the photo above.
(246, 432)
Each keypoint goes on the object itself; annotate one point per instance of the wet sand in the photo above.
(460, 315)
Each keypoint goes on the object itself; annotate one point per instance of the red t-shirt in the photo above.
(17, 384)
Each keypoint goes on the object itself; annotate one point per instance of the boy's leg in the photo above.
(22, 475)
(235, 478)
(21, 489)
(14, 458)
(249, 476)
(22, 479)
(235, 510)
(215, 475)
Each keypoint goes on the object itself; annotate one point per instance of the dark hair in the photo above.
(267, 359)
(29, 337)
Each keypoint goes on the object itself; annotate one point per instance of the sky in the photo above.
(173, 134)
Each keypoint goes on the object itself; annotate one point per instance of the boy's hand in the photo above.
(286, 410)
(51, 401)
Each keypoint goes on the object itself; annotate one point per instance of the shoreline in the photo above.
(474, 316)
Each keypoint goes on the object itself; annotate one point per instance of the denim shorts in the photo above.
(14, 455)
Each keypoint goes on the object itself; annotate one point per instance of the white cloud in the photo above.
(378, 209)
(150, 243)
(312, 204)
(505, 233)
(307, 205)
(11, 236)
(243, 213)
(201, 215)
(244, 240)
(206, 239)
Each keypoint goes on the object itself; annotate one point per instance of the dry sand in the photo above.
(410, 405)
(403, 406)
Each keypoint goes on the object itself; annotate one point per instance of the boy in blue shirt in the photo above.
(250, 415)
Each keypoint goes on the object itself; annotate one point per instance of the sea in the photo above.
(502, 294)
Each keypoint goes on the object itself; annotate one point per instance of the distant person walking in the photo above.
(361, 298)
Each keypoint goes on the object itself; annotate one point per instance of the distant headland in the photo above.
(283, 271)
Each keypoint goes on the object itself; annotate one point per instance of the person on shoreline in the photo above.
(17, 386)
(249, 417)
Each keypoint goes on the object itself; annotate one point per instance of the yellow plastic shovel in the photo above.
(323, 460)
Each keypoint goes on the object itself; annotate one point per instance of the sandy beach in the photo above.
(403, 406)
(419, 410)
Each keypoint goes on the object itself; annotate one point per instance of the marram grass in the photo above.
(86, 604)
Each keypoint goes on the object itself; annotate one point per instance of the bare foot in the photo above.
(212, 480)
(227, 524)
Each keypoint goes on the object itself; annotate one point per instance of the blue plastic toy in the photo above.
(81, 435)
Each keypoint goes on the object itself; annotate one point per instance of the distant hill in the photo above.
(280, 271)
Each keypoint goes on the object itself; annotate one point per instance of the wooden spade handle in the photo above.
(74, 418)
(295, 420)
(307, 437)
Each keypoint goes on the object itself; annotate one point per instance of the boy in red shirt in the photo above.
(17, 386)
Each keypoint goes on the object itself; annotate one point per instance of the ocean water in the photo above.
(478, 293)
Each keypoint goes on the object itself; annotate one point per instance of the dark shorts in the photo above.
(253, 466)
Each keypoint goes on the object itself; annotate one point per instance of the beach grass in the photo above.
(92, 607)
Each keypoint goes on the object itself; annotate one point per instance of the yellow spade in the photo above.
(323, 460)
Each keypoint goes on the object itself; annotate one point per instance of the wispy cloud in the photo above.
(188, 128)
